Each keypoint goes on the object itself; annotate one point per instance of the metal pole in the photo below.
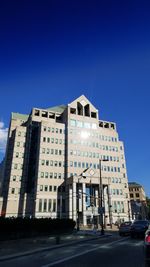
(109, 207)
(78, 220)
(101, 199)
(129, 210)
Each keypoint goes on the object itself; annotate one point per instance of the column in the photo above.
(70, 211)
(74, 202)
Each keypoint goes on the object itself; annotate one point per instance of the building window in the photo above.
(50, 188)
(47, 162)
(55, 188)
(13, 190)
(17, 155)
(137, 195)
(42, 174)
(51, 175)
(14, 178)
(43, 150)
(41, 187)
(15, 166)
(46, 175)
(131, 195)
(46, 188)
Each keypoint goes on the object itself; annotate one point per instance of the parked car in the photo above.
(147, 248)
(124, 228)
(138, 228)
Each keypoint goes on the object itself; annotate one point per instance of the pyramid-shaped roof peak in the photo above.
(83, 100)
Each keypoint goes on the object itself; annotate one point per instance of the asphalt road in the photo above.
(104, 252)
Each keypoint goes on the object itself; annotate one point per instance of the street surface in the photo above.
(104, 252)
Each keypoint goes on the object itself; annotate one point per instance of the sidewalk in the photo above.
(16, 248)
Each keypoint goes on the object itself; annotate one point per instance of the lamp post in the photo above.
(129, 210)
(101, 208)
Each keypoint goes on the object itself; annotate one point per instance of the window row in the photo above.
(48, 188)
(16, 178)
(132, 195)
(19, 155)
(93, 155)
(53, 130)
(53, 163)
(52, 151)
(82, 124)
(134, 189)
(14, 190)
(116, 180)
(23, 134)
(52, 175)
(118, 206)
(80, 164)
(53, 140)
(47, 205)
(93, 144)
(17, 166)
(20, 144)
(94, 135)
(115, 191)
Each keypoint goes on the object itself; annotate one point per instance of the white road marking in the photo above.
(79, 254)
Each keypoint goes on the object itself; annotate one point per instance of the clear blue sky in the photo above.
(53, 51)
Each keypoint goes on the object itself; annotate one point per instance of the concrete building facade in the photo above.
(47, 153)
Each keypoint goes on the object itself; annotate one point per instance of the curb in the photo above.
(27, 253)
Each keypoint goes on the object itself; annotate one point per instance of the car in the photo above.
(124, 228)
(138, 228)
(147, 248)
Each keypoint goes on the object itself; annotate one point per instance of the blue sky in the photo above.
(53, 51)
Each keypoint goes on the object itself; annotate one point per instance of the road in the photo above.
(103, 252)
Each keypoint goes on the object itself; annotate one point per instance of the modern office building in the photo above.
(65, 161)
(137, 200)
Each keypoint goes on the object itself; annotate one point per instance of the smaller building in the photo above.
(137, 201)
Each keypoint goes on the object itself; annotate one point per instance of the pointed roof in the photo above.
(83, 101)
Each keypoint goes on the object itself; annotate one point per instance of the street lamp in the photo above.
(101, 208)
